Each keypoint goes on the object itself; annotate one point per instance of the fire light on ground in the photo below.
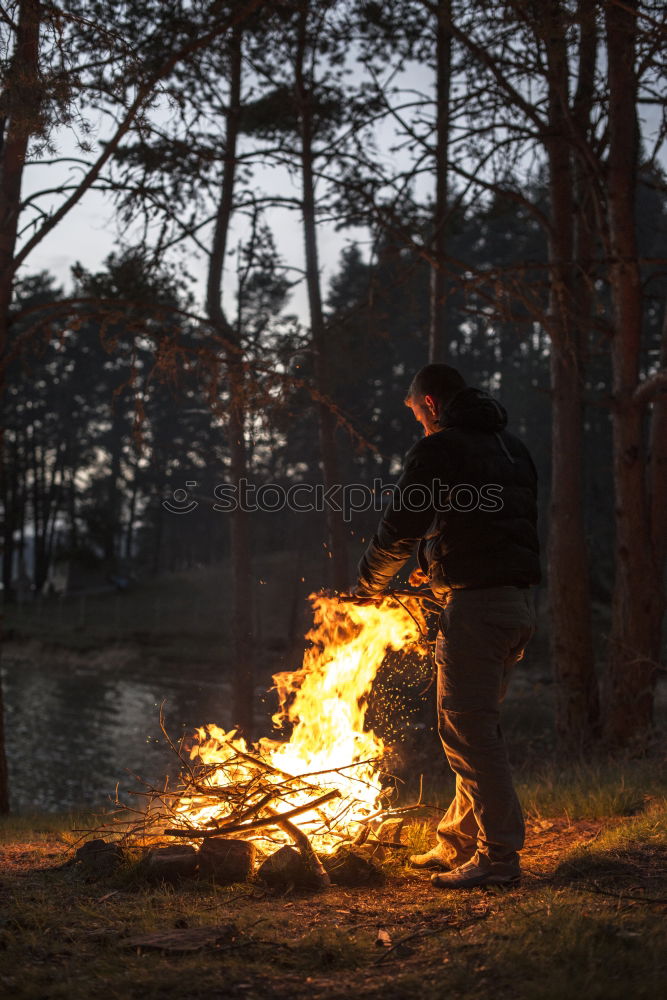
(326, 780)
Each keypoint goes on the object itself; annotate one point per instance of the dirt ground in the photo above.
(588, 918)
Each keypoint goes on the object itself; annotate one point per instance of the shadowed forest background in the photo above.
(496, 174)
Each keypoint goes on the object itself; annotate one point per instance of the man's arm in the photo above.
(406, 520)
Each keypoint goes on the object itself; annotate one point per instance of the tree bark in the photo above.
(569, 589)
(657, 486)
(4, 776)
(242, 621)
(131, 515)
(337, 535)
(437, 340)
(22, 98)
(658, 469)
(637, 599)
(10, 493)
(113, 502)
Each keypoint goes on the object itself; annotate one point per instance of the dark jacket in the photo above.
(469, 493)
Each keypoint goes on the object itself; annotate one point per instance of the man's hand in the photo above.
(359, 597)
(417, 578)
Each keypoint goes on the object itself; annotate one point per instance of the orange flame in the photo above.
(325, 704)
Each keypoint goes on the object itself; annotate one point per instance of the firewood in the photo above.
(256, 824)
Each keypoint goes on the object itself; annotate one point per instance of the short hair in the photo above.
(437, 380)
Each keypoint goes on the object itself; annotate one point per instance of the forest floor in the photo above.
(588, 919)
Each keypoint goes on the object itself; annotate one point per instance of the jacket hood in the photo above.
(476, 410)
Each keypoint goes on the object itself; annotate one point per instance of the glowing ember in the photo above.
(325, 704)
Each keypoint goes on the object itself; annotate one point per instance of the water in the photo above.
(74, 729)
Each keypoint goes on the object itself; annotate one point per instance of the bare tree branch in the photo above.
(144, 94)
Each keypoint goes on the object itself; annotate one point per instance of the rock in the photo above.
(286, 868)
(389, 832)
(187, 939)
(170, 864)
(349, 867)
(99, 857)
(372, 850)
(383, 940)
(226, 860)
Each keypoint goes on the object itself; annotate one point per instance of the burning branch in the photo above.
(320, 789)
(273, 819)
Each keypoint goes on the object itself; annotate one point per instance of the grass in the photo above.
(37, 828)
(588, 919)
(590, 789)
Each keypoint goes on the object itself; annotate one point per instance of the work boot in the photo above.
(479, 872)
(434, 860)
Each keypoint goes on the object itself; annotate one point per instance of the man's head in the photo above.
(432, 388)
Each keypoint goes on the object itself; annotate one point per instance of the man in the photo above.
(468, 494)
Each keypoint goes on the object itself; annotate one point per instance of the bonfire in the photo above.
(323, 787)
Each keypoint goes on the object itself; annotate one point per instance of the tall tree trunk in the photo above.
(569, 591)
(242, 589)
(584, 193)
(71, 508)
(437, 339)
(658, 471)
(158, 538)
(131, 514)
(637, 597)
(4, 777)
(22, 98)
(9, 492)
(657, 485)
(113, 502)
(35, 491)
(337, 535)
(46, 492)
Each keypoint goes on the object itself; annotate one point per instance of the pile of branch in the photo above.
(246, 797)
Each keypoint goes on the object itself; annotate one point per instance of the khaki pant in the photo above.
(483, 634)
